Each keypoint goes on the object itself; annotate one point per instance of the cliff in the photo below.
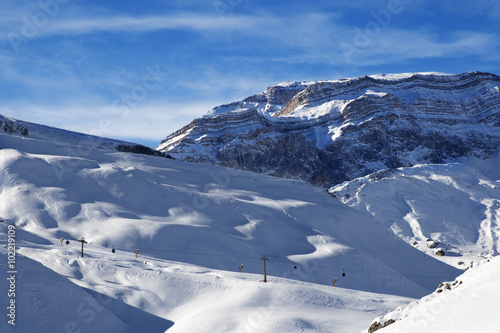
(327, 132)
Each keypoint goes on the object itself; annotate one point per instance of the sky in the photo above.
(140, 70)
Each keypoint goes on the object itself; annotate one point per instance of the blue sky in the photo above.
(139, 70)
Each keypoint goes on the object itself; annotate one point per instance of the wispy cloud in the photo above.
(313, 37)
(181, 21)
(418, 45)
(407, 45)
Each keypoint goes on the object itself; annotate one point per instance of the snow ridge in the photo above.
(41, 132)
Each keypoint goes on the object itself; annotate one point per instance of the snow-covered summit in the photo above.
(400, 76)
(266, 102)
(326, 132)
(277, 97)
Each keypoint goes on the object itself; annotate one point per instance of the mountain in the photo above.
(166, 241)
(192, 226)
(327, 132)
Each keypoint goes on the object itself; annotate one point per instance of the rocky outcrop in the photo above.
(11, 127)
(140, 149)
(327, 132)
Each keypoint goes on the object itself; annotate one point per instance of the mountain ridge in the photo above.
(78, 141)
(333, 131)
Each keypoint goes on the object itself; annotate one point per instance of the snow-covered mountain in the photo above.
(194, 226)
(181, 232)
(327, 132)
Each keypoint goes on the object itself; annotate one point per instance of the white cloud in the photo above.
(142, 24)
(402, 45)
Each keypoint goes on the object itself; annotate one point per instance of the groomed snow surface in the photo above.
(194, 226)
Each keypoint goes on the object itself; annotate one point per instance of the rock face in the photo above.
(327, 132)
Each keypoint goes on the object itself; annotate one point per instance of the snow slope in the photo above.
(455, 204)
(49, 302)
(154, 295)
(182, 211)
(42, 132)
(468, 304)
(194, 226)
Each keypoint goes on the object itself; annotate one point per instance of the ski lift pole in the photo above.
(264, 259)
(83, 241)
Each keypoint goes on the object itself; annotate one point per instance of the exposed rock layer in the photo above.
(327, 132)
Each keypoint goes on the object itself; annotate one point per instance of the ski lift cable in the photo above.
(271, 257)
(276, 259)
(280, 260)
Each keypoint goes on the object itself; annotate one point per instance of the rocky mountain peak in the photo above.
(283, 93)
(326, 132)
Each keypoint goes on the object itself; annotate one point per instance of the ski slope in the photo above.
(116, 293)
(194, 226)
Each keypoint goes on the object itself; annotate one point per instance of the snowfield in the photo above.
(116, 293)
(454, 205)
(194, 226)
(181, 233)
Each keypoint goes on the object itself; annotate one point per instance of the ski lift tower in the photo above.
(264, 259)
(83, 241)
